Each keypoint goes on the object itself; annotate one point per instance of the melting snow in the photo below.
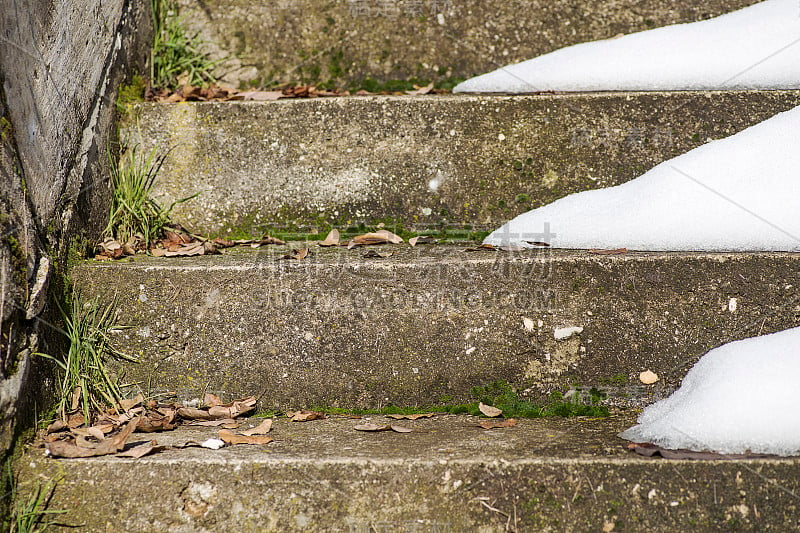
(741, 193)
(757, 47)
(738, 397)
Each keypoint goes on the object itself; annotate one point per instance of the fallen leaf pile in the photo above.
(110, 429)
(189, 93)
(176, 241)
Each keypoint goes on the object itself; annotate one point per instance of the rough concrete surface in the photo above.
(421, 161)
(342, 42)
(428, 323)
(446, 476)
(60, 63)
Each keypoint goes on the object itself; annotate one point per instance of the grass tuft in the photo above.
(176, 53)
(135, 216)
(31, 514)
(86, 384)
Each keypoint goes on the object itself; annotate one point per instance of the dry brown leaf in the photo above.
(227, 423)
(648, 377)
(496, 424)
(262, 429)
(489, 411)
(386, 427)
(126, 416)
(419, 90)
(616, 251)
(96, 432)
(223, 243)
(75, 420)
(305, 416)
(297, 254)
(131, 403)
(58, 425)
(187, 250)
(153, 422)
(193, 413)
(379, 237)
(332, 239)
(112, 444)
(233, 438)
(421, 239)
(372, 427)
(538, 243)
(233, 409)
(141, 450)
(266, 239)
(83, 442)
(392, 238)
(412, 417)
(482, 248)
(210, 400)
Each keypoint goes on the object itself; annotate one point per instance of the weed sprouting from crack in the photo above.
(133, 211)
(86, 383)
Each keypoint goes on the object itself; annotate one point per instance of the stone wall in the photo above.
(60, 66)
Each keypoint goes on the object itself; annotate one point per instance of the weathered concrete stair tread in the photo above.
(548, 474)
(421, 161)
(425, 325)
(345, 41)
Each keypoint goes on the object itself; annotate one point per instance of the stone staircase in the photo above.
(424, 325)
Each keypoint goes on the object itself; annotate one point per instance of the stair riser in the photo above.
(436, 496)
(429, 323)
(423, 162)
(345, 41)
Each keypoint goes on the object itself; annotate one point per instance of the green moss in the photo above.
(522, 198)
(5, 129)
(498, 394)
(618, 379)
(132, 92)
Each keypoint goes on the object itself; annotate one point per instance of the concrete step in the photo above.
(428, 323)
(447, 476)
(342, 42)
(422, 162)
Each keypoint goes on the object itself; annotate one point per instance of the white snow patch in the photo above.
(565, 333)
(741, 193)
(757, 47)
(738, 397)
